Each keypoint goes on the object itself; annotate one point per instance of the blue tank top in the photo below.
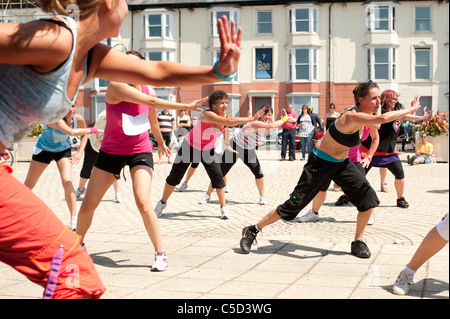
(54, 140)
(28, 97)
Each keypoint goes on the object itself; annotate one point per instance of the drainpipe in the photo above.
(329, 58)
(179, 49)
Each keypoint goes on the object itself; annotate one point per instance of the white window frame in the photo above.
(313, 64)
(392, 63)
(233, 14)
(415, 18)
(313, 19)
(430, 63)
(167, 22)
(258, 22)
(166, 55)
(371, 17)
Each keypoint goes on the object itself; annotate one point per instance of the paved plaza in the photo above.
(292, 260)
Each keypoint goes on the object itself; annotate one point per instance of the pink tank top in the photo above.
(126, 130)
(354, 153)
(203, 136)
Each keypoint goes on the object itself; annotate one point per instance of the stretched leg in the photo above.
(65, 170)
(142, 178)
(35, 171)
(430, 246)
(383, 174)
(260, 185)
(98, 185)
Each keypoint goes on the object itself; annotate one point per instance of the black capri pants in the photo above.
(186, 155)
(248, 156)
(317, 175)
(396, 168)
(89, 158)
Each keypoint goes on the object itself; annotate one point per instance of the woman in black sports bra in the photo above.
(329, 161)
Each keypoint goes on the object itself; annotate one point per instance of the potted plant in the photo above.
(436, 127)
(24, 149)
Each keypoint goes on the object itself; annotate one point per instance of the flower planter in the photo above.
(24, 149)
(440, 146)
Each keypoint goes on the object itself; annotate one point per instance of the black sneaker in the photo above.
(360, 249)
(248, 237)
(343, 200)
(402, 203)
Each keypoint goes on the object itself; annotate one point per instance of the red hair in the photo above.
(387, 94)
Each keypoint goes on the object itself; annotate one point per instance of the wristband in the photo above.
(284, 118)
(369, 157)
(220, 75)
(93, 130)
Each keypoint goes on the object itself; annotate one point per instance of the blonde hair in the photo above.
(66, 7)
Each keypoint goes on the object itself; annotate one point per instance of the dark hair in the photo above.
(398, 106)
(267, 108)
(135, 53)
(215, 97)
(363, 89)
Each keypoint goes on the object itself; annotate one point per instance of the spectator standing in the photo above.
(306, 124)
(167, 125)
(288, 133)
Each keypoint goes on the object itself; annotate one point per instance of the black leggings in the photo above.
(248, 156)
(186, 155)
(396, 168)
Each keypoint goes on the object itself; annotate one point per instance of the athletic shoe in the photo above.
(310, 216)
(205, 199)
(402, 203)
(360, 249)
(401, 286)
(118, 198)
(159, 208)
(227, 189)
(248, 238)
(262, 200)
(73, 223)
(411, 160)
(79, 193)
(160, 263)
(371, 220)
(343, 200)
(183, 187)
(225, 212)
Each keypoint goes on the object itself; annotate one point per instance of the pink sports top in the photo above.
(203, 136)
(126, 130)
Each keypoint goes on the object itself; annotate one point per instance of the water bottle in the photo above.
(432, 159)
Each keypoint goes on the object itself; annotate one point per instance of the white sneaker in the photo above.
(160, 263)
(183, 187)
(310, 216)
(262, 200)
(79, 193)
(205, 199)
(371, 220)
(225, 212)
(159, 208)
(73, 223)
(227, 189)
(118, 198)
(401, 286)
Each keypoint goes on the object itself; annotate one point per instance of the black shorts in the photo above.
(47, 157)
(114, 163)
(317, 175)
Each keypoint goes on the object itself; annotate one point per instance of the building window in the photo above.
(299, 100)
(216, 14)
(303, 64)
(158, 25)
(303, 20)
(162, 55)
(264, 22)
(382, 64)
(423, 19)
(423, 63)
(381, 18)
(263, 65)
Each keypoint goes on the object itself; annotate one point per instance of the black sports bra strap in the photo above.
(60, 23)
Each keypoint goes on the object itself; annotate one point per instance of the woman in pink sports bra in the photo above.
(198, 146)
(131, 110)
